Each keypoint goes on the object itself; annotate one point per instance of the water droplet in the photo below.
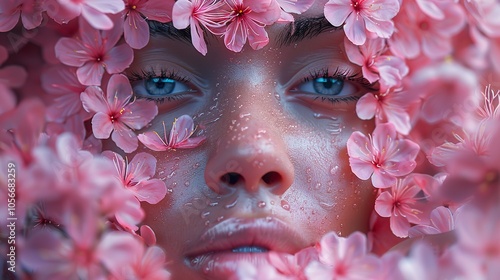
(334, 169)
(186, 183)
(213, 204)
(207, 223)
(261, 204)
(196, 165)
(272, 202)
(285, 205)
(232, 204)
(170, 190)
(269, 219)
(220, 218)
(171, 175)
(327, 206)
(245, 115)
(204, 215)
(317, 186)
(161, 173)
(277, 96)
(313, 212)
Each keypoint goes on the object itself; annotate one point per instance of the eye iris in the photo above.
(160, 86)
(328, 86)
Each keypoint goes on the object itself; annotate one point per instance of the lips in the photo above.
(221, 247)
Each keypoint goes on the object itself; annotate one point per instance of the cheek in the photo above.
(326, 194)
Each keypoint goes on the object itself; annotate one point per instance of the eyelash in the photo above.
(144, 74)
(341, 74)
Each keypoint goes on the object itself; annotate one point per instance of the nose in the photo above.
(252, 159)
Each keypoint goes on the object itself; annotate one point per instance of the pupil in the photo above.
(160, 86)
(328, 86)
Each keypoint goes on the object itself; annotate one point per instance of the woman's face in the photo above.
(273, 173)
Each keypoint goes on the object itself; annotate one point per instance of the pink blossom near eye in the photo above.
(382, 156)
(62, 84)
(135, 28)
(290, 7)
(116, 112)
(343, 258)
(30, 12)
(136, 175)
(247, 20)
(441, 220)
(94, 52)
(399, 203)
(362, 17)
(94, 11)
(418, 33)
(179, 138)
(197, 14)
(391, 106)
(387, 69)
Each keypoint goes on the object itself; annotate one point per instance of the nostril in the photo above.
(231, 178)
(271, 178)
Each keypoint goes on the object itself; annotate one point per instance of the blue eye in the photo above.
(159, 87)
(329, 86)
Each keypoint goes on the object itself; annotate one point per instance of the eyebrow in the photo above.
(294, 32)
(304, 28)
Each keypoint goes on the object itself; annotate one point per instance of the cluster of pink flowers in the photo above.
(432, 156)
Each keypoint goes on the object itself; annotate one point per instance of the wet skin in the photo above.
(273, 172)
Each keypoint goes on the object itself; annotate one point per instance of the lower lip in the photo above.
(223, 265)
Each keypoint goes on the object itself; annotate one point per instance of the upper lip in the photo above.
(270, 233)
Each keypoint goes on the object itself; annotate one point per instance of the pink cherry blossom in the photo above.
(441, 220)
(247, 20)
(445, 83)
(382, 155)
(249, 271)
(136, 29)
(484, 14)
(94, 12)
(197, 14)
(417, 32)
(95, 51)
(179, 138)
(391, 106)
(387, 69)
(399, 203)
(363, 17)
(11, 77)
(290, 7)
(477, 253)
(136, 176)
(116, 112)
(293, 265)
(422, 263)
(30, 12)
(62, 84)
(144, 264)
(343, 258)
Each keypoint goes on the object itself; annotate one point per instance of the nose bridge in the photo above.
(249, 151)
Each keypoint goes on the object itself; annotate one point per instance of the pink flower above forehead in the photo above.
(247, 20)
(114, 112)
(363, 17)
(197, 14)
(136, 29)
(382, 156)
(179, 138)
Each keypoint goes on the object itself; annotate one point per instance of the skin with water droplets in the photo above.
(255, 124)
